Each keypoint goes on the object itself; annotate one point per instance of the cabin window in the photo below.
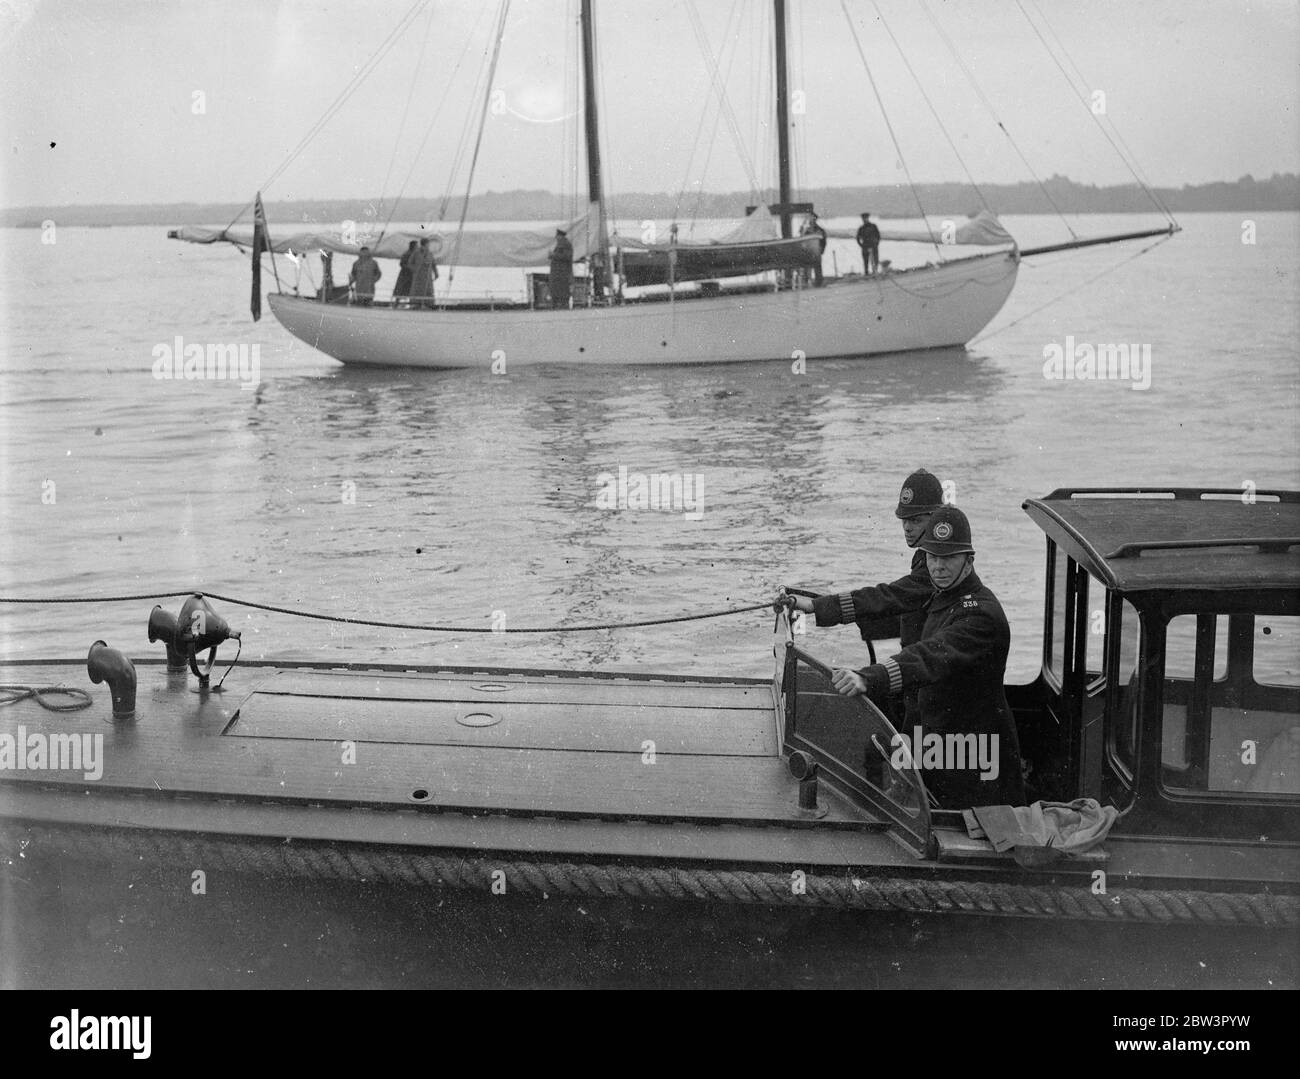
(1124, 742)
(1185, 636)
(1095, 646)
(1180, 645)
(1056, 642)
(1238, 735)
(1277, 650)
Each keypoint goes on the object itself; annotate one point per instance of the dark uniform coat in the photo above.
(561, 280)
(957, 669)
(407, 272)
(424, 271)
(883, 611)
(868, 236)
(365, 273)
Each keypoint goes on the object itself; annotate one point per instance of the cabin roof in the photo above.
(1145, 539)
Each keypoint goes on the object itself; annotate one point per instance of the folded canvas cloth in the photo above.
(1059, 827)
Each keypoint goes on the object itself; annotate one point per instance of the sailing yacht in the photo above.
(747, 296)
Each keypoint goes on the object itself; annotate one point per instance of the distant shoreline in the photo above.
(1281, 192)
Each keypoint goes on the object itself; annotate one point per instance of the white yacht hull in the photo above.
(931, 307)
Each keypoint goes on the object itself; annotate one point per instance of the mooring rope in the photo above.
(390, 625)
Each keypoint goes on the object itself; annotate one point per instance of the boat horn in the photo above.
(105, 664)
(197, 627)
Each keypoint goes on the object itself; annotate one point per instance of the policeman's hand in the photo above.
(786, 602)
(793, 603)
(848, 682)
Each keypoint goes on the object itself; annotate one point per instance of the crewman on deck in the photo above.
(957, 668)
(561, 282)
(896, 609)
(364, 276)
(424, 272)
(869, 240)
(811, 227)
(406, 273)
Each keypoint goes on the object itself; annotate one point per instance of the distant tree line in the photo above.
(1281, 191)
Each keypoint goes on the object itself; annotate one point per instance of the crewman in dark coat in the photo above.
(424, 272)
(869, 240)
(813, 228)
(896, 609)
(561, 270)
(364, 276)
(958, 668)
(406, 274)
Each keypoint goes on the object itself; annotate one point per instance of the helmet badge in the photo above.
(942, 531)
(906, 497)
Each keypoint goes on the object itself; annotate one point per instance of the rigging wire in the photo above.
(607, 190)
(713, 135)
(1073, 288)
(898, 149)
(1125, 155)
(930, 104)
(988, 105)
(718, 85)
(463, 140)
(462, 143)
(401, 127)
(442, 101)
(332, 110)
(574, 156)
(478, 141)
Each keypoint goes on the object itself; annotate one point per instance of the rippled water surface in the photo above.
(477, 493)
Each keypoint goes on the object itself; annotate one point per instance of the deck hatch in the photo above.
(657, 718)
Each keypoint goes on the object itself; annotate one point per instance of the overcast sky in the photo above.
(156, 101)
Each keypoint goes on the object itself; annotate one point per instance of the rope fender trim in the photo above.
(537, 877)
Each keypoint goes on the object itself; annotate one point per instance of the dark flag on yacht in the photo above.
(261, 242)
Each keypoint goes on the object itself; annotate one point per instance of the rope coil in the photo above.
(12, 694)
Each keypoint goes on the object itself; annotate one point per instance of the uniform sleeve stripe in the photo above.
(895, 676)
(846, 607)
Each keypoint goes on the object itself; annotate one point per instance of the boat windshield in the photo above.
(855, 745)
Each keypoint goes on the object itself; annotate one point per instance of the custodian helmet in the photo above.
(947, 533)
(921, 493)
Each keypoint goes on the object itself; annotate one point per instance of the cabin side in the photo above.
(1170, 679)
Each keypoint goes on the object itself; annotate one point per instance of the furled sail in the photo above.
(752, 245)
(480, 247)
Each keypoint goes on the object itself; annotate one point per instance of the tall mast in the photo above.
(782, 121)
(594, 189)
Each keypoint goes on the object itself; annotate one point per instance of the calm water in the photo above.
(477, 493)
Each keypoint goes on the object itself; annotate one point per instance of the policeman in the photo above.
(896, 609)
(957, 668)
